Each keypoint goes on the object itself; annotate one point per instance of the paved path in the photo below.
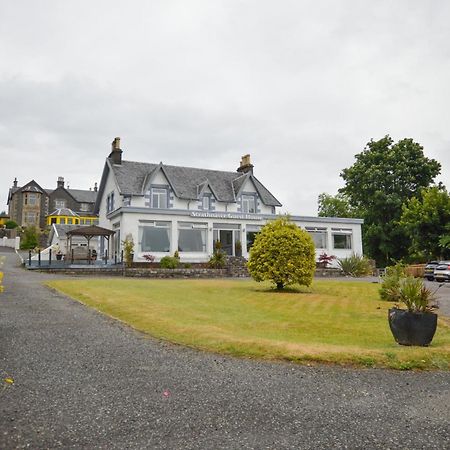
(85, 381)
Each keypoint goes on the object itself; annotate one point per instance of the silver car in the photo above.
(442, 271)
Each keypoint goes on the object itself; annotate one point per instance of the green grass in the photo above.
(332, 322)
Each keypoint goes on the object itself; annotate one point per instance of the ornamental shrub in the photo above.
(414, 294)
(218, 258)
(390, 286)
(10, 225)
(355, 265)
(169, 262)
(283, 254)
(128, 250)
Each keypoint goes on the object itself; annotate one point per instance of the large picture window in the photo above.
(192, 237)
(159, 197)
(342, 238)
(155, 237)
(319, 236)
(248, 204)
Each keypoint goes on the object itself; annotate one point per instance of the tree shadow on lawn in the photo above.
(285, 290)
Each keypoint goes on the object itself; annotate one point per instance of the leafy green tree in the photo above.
(283, 254)
(425, 220)
(30, 238)
(444, 241)
(335, 206)
(384, 176)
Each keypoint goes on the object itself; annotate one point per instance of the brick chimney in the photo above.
(116, 152)
(60, 182)
(246, 165)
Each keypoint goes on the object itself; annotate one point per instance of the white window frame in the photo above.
(321, 231)
(342, 232)
(155, 224)
(246, 199)
(206, 202)
(158, 193)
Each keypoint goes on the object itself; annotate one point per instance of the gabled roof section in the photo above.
(32, 186)
(150, 177)
(132, 177)
(101, 189)
(239, 182)
(201, 188)
(264, 194)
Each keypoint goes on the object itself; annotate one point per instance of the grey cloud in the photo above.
(302, 86)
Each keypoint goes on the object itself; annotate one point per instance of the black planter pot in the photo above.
(410, 328)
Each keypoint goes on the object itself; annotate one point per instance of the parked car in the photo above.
(442, 271)
(429, 270)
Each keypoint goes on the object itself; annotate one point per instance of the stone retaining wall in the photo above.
(235, 268)
(176, 273)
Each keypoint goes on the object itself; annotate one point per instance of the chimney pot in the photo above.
(245, 165)
(15, 182)
(95, 187)
(116, 152)
(60, 182)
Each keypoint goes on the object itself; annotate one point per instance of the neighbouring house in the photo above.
(169, 208)
(33, 205)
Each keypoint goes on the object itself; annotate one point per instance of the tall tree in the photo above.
(384, 176)
(335, 206)
(425, 220)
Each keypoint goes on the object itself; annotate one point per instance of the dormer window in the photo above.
(159, 197)
(248, 203)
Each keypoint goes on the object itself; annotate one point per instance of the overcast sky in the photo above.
(300, 85)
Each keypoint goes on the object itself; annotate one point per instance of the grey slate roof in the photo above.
(132, 178)
(80, 195)
(83, 196)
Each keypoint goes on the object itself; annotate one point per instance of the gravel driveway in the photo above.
(83, 380)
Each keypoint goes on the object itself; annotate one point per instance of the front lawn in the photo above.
(334, 321)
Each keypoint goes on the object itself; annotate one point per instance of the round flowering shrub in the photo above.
(282, 253)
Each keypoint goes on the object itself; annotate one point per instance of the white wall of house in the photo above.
(110, 187)
(339, 237)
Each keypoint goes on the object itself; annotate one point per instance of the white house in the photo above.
(171, 208)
